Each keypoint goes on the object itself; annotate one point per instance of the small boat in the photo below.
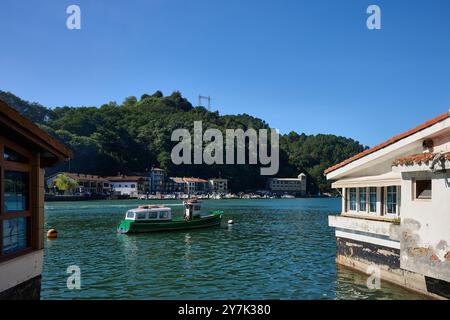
(154, 218)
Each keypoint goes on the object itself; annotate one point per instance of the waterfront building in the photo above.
(175, 185)
(25, 150)
(87, 183)
(218, 185)
(196, 186)
(127, 185)
(158, 178)
(396, 208)
(294, 186)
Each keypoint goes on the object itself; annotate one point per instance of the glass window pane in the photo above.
(352, 200)
(11, 155)
(362, 199)
(16, 191)
(423, 189)
(373, 199)
(14, 235)
(391, 202)
(163, 215)
(141, 216)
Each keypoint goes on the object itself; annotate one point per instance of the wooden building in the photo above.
(25, 150)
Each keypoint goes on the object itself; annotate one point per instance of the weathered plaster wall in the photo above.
(425, 227)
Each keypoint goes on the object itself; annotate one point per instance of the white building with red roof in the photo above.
(396, 208)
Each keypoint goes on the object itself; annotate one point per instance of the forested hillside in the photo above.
(135, 135)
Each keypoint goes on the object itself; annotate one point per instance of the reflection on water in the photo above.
(277, 249)
(353, 285)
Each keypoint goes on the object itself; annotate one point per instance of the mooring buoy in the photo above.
(230, 221)
(52, 233)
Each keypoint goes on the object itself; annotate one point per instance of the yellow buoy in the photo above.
(52, 234)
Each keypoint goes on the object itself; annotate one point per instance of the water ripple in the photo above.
(278, 249)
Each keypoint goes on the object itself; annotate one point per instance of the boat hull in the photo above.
(129, 226)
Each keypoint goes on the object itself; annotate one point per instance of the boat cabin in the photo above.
(149, 213)
(192, 209)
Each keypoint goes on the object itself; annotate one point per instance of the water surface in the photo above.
(277, 249)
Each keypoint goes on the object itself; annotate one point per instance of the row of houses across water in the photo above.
(157, 182)
(154, 182)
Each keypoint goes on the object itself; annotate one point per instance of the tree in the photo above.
(65, 183)
(158, 94)
(129, 102)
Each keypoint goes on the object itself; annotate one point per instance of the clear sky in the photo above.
(309, 66)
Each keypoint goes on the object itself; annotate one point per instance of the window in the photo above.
(13, 156)
(362, 199)
(373, 199)
(133, 186)
(14, 235)
(423, 189)
(153, 215)
(15, 213)
(130, 215)
(163, 215)
(352, 199)
(16, 191)
(391, 200)
(141, 216)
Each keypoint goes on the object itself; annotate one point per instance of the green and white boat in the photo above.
(153, 218)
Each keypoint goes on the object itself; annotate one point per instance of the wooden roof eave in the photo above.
(13, 120)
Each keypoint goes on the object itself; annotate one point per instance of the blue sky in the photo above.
(308, 66)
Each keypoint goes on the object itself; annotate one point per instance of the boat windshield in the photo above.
(163, 215)
(130, 214)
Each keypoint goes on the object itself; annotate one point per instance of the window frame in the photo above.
(6, 166)
(350, 199)
(397, 198)
(369, 202)
(364, 200)
(415, 197)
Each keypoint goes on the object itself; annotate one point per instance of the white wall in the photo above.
(426, 226)
(434, 214)
(125, 188)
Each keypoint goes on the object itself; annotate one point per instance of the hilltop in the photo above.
(135, 135)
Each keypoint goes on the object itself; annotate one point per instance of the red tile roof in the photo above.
(418, 158)
(395, 139)
(198, 180)
(124, 178)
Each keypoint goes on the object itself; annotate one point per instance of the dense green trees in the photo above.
(134, 136)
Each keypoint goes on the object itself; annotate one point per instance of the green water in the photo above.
(277, 249)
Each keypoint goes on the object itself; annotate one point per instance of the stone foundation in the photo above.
(28, 290)
(360, 255)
